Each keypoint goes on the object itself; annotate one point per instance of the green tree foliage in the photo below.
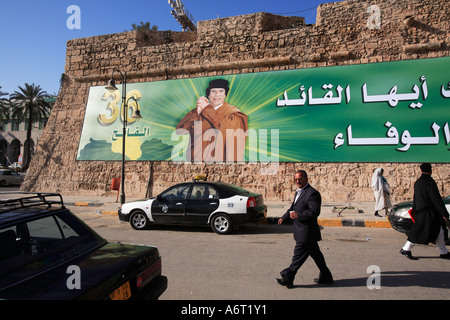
(29, 104)
(144, 26)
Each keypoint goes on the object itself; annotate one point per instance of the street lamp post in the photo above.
(136, 115)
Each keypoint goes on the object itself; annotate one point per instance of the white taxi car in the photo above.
(218, 204)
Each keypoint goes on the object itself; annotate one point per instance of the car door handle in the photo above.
(213, 203)
(178, 204)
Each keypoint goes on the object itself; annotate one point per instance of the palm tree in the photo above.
(144, 26)
(29, 104)
(4, 106)
(2, 94)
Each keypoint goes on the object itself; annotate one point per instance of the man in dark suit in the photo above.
(429, 215)
(304, 212)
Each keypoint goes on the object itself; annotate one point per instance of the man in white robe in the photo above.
(382, 192)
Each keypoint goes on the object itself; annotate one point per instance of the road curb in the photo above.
(109, 212)
(354, 223)
(83, 204)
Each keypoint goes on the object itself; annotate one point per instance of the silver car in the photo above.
(8, 176)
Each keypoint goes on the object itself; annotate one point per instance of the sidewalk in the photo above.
(357, 214)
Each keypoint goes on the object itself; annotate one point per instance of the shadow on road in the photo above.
(425, 279)
(252, 228)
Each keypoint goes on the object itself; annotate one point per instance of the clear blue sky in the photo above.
(33, 34)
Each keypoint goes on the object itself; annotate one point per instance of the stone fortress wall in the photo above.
(345, 33)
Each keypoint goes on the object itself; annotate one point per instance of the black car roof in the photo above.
(19, 206)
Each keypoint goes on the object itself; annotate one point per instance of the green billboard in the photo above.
(382, 112)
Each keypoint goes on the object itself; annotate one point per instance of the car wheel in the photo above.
(2, 183)
(222, 224)
(139, 220)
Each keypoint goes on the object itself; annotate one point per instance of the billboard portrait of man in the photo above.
(217, 129)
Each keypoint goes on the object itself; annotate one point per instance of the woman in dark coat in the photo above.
(429, 214)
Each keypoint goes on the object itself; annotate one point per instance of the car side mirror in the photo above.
(159, 198)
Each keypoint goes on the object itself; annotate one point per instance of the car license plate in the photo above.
(121, 293)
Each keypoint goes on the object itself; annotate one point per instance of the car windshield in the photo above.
(10, 173)
(31, 247)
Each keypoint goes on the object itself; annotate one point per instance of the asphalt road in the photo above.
(365, 262)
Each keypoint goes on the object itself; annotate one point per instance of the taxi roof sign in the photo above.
(200, 178)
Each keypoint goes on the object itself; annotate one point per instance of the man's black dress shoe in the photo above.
(323, 281)
(445, 256)
(407, 254)
(287, 284)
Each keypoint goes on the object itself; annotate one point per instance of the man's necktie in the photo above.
(299, 191)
